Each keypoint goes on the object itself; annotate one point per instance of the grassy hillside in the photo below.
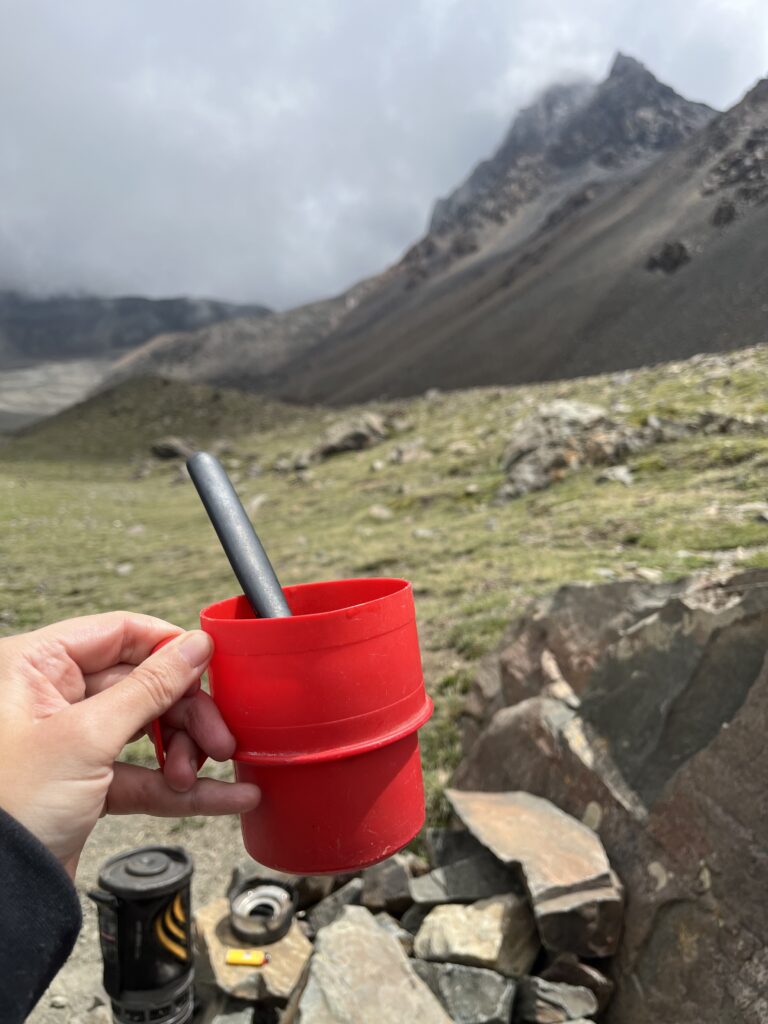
(89, 521)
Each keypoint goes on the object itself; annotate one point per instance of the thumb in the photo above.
(154, 686)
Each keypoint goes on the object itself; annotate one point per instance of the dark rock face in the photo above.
(470, 995)
(62, 326)
(385, 886)
(328, 910)
(743, 171)
(569, 970)
(463, 881)
(666, 758)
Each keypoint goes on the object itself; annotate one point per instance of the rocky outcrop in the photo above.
(564, 436)
(660, 748)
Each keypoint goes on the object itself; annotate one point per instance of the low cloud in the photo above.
(278, 152)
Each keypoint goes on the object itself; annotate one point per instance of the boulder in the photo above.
(274, 982)
(724, 213)
(327, 910)
(569, 970)
(548, 1002)
(352, 435)
(616, 475)
(414, 917)
(360, 973)
(172, 448)
(669, 258)
(464, 881)
(497, 933)
(470, 995)
(386, 886)
(393, 926)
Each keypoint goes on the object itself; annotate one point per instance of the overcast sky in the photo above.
(278, 150)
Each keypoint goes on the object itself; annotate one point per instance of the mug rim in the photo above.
(400, 586)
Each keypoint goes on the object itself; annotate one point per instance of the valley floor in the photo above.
(29, 393)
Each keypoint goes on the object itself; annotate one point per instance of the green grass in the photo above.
(82, 530)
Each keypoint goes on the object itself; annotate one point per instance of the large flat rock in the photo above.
(274, 981)
(359, 973)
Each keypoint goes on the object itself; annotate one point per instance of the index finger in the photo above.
(97, 642)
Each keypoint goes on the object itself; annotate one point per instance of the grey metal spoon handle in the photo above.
(238, 537)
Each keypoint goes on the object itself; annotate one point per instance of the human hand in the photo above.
(73, 694)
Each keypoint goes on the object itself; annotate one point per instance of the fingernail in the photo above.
(196, 648)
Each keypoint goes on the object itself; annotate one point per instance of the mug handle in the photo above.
(157, 729)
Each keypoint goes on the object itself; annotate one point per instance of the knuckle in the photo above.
(196, 800)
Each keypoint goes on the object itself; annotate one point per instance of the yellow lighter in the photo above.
(247, 957)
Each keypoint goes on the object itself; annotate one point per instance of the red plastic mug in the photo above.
(325, 707)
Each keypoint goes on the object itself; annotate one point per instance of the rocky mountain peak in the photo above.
(537, 125)
(571, 134)
(631, 116)
(624, 65)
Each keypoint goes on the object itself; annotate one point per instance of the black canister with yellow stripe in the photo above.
(145, 931)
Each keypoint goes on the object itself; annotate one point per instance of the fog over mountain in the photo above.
(274, 154)
(614, 227)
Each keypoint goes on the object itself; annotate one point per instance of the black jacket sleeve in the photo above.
(40, 917)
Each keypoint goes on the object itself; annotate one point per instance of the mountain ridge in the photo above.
(75, 326)
(548, 273)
